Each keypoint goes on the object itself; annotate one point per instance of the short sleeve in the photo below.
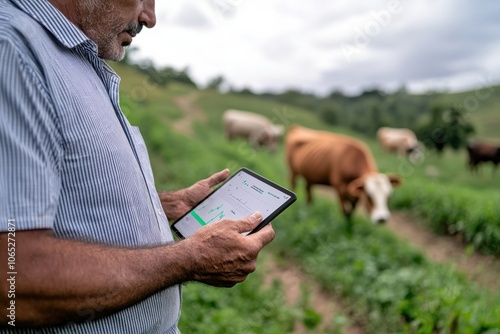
(30, 144)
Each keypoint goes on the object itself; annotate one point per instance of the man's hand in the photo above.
(177, 203)
(58, 279)
(221, 255)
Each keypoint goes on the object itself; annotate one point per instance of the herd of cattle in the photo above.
(341, 162)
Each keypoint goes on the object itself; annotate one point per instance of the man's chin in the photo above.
(116, 54)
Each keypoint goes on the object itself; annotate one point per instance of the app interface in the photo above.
(241, 196)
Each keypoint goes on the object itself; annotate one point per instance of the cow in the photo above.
(342, 162)
(257, 129)
(399, 140)
(480, 152)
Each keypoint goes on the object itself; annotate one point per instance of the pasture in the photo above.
(384, 284)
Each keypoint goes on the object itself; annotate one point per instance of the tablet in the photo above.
(240, 195)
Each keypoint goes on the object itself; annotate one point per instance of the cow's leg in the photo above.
(346, 204)
(309, 192)
(473, 167)
(348, 207)
(293, 180)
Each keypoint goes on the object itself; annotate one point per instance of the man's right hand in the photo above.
(222, 256)
(57, 278)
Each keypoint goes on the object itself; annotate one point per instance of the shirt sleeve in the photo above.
(30, 144)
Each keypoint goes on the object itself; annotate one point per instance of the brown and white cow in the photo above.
(343, 163)
(257, 129)
(481, 152)
(400, 140)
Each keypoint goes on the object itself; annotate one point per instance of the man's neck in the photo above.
(67, 8)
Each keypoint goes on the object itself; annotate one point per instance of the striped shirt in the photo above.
(69, 159)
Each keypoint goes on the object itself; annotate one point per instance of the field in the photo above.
(382, 283)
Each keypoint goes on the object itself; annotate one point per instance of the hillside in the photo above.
(383, 283)
(144, 96)
(483, 107)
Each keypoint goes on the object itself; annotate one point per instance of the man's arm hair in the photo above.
(59, 281)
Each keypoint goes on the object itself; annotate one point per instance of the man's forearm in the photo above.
(57, 280)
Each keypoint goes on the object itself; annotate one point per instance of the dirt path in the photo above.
(480, 269)
(291, 277)
(191, 113)
(293, 280)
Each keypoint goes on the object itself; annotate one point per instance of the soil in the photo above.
(293, 280)
(191, 113)
(482, 270)
(479, 269)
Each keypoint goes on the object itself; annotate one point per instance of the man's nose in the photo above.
(147, 17)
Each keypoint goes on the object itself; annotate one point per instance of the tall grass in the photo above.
(470, 213)
(388, 285)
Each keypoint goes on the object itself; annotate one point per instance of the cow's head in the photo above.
(374, 190)
(265, 137)
(416, 153)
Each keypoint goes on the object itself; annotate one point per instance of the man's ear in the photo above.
(395, 180)
(355, 188)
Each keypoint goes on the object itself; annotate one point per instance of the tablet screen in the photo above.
(241, 195)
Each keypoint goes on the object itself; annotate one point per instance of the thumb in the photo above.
(249, 222)
(217, 178)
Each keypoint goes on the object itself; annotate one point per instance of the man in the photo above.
(89, 246)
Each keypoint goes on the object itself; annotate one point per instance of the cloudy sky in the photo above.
(319, 45)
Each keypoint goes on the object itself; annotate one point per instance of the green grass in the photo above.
(388, 284)
(482, 106)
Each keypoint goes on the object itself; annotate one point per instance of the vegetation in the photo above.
(455, 210)
(388, 286)
(446, 127)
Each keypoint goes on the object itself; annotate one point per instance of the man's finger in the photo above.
(218, 177)
(265, 234)
(250, 222)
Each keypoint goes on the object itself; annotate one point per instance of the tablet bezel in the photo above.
(265, 221)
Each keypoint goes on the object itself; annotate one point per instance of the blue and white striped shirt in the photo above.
(69, 159)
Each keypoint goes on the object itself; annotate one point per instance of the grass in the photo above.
(386, 282)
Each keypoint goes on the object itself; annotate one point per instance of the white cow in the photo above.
(257, 129)
(400, 140)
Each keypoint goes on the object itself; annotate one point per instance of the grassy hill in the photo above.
(483, 107)
(389, 286)
(151, 99)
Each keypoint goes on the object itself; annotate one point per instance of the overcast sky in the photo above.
(319, 45)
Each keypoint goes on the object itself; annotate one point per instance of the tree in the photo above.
(447, 126)
(328, 113)
(216, 83)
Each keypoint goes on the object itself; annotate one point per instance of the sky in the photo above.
(320, 46)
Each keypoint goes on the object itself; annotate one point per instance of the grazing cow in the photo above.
(402, 141)
(480, 152)
(342, 162)
(257, 129)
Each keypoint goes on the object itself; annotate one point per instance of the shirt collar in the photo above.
(54, 21)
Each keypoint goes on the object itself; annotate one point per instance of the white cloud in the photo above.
(279, 44)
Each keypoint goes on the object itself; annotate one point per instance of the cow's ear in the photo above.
(355, 188)
(395, 180)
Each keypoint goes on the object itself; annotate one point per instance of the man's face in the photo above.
(112, 24)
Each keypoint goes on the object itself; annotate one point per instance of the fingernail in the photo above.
(257, 215)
